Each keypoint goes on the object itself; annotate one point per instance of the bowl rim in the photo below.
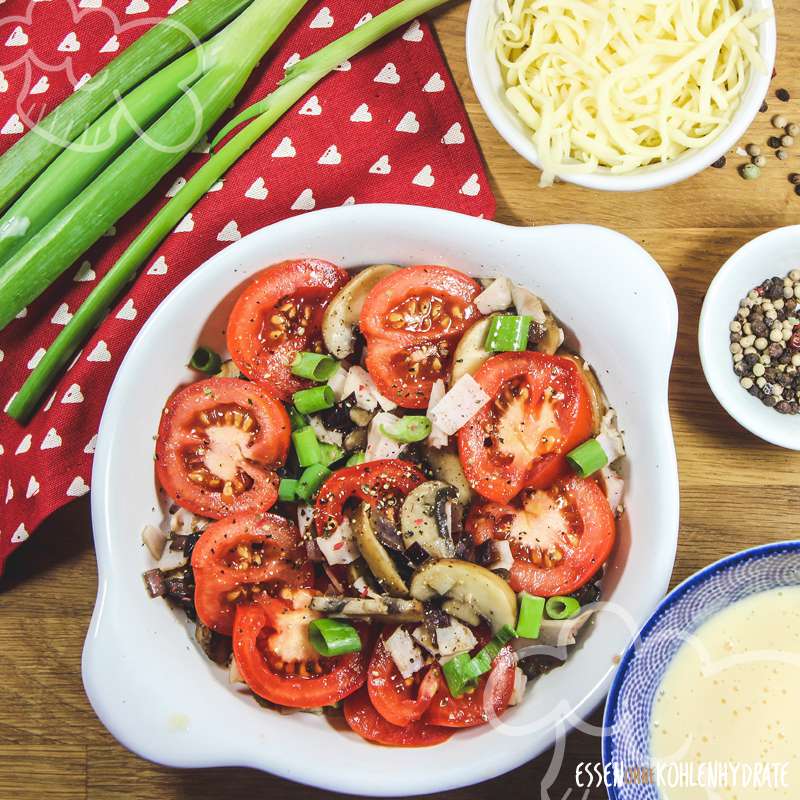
(644, 178)
(684, 586)
(593, 690)
(724, 389)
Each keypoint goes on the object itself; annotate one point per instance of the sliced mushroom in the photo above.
(359, 571)
(596, 396)
(562, 632)
(470, 352)
(375, 554)
(388, 609)
(446, 467)
(343, 312)
(552, 337)
(470, 592)
(424, 519)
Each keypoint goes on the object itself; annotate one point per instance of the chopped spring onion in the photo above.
(408, 429)
(332, 637)
(297, 82)
(508, 334)
(228, 60)
(287, 490)
(587, 458)
(205, 360)
(482, 662)
(531, 611)
(309, 401)
(307, 447)
(458, 674)
(312, 478)
(297, 419)
(561, 607)
(331, 453)
(355, 459)
(151, 51)
(314, 366)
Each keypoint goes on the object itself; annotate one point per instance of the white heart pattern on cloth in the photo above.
(366, 18)
(99, 353)
(381, 166)
(9, 492)
(51, 440)
(362, 114)
(331, 156)
(322, 160)
(85, 78)
(388, 74)
(128, 311)
(424, 177)
(257, 190)
(305, 201)
(230, 233)
(33, 488)
(454, 135)
(409, 123)
(20, 534)
(471, 187)
(36, 358)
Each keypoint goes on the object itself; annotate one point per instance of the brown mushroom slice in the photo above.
(375, 554)
(384, 608)
(596, 396)
(470, 353)
(553, 336)
(342, 313)
(423, 519)
(446, 467)
(469, 592)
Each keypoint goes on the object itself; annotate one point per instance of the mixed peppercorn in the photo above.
(765, 343)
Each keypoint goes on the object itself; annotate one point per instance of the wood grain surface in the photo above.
(735, 491)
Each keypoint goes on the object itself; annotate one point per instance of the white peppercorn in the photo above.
(760, 343)
(758, 369)
(747, 383)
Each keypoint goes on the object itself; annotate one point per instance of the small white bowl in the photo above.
(774, 253)
(488, 82)
(163, 699)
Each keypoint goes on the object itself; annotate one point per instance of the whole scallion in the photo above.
(227, 61)
(158, 46)
(297, 82)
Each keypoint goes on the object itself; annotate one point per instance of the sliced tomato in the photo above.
(396, 699)
(560, 537)
(245, 556)
(383, 484)
(219, 443)
(491, 697)
(277, 661)
(412, 320)
(362, 718)
(278, 315)
(540, 410)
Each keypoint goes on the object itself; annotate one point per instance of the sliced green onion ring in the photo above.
(561, 607)
(312, 478)
(587, 458)
(206, 360)
(356, 459)
(508, 333)
(331, 453)
(297, 419)
(307, 447)
(314, 366)
(531, 611)
(482, 662)
(332, 637)
(408, 429)
(309, 401)
(287, 490)
(457, 673)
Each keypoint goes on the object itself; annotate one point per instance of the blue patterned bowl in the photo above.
(626, 725)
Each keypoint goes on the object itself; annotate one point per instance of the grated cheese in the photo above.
(406, 655)
(496, 297)
(613, 85)
(437, 437)
(340, 547)
(459, 405)
(379, 445)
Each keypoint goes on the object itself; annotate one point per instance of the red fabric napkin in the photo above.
(388, 127)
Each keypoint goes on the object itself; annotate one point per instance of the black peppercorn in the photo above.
(783, 95)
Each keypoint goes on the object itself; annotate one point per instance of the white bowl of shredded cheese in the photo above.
(621, 96)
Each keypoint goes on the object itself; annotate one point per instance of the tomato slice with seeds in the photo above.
(491, 697)
(396, 699)
(278, 315)
(412, 320)
(559, 537)
(383, 484)
(277, 661)
(540, 410)
(219, 443)
(361, 716)
(242, 557)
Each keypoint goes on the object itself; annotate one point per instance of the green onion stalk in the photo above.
(160, 45)
(227, 61)
(299, 79)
